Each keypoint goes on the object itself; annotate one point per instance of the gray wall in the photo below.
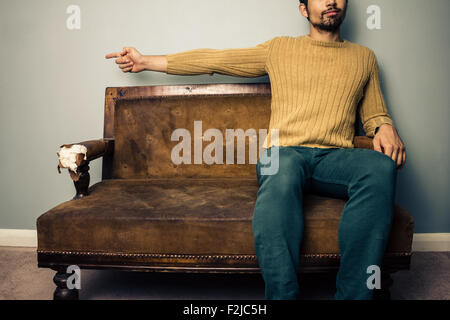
(53, 81)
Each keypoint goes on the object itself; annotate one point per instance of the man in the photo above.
(319, 82)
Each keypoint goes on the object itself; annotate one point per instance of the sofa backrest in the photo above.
(149, 124)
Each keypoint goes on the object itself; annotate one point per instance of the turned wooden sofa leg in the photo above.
(61, 291)
(82, 184)
(386, 283)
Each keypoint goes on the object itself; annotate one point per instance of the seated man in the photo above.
(319, 81)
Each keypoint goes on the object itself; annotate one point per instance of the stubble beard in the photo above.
(330, 23)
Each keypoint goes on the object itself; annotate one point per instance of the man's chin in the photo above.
(327, 27)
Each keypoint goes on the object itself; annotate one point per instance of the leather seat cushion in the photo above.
(186, 216)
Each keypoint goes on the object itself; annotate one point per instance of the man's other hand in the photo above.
(129, 60)
(387, 141)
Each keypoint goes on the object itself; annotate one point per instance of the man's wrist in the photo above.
(146, 63)
(155, 63)
(376, 129)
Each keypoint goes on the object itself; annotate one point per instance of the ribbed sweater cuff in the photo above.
(373, 123)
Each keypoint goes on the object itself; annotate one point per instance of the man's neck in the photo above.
(325, 36)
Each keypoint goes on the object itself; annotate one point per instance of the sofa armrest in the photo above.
(76, 157)
(363, 142)
(95, 148)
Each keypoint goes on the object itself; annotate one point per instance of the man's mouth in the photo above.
(332, 12)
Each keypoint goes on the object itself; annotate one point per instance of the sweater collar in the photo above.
(335, 44)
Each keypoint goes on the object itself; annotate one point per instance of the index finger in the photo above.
(113, 55)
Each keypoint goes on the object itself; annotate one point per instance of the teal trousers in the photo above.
(365, 178)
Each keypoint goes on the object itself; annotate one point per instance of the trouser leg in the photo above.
(278, 223)
(368, 179)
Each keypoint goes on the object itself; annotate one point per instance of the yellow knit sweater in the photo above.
(317, 86)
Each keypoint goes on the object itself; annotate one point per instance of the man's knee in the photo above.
(291, 173)
(377, 170)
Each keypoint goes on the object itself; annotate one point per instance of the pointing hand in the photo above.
(129, 60)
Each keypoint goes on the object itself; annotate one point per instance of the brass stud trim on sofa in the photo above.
(196, 256)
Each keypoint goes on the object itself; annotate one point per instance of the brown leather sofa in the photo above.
(149, 214)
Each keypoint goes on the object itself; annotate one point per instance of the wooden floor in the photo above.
(429, 278)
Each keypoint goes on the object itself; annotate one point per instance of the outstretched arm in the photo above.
(244, 62)
(377, 121)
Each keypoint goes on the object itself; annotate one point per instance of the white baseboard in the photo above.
(18, 238)
(431, 242)
(421, 241)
